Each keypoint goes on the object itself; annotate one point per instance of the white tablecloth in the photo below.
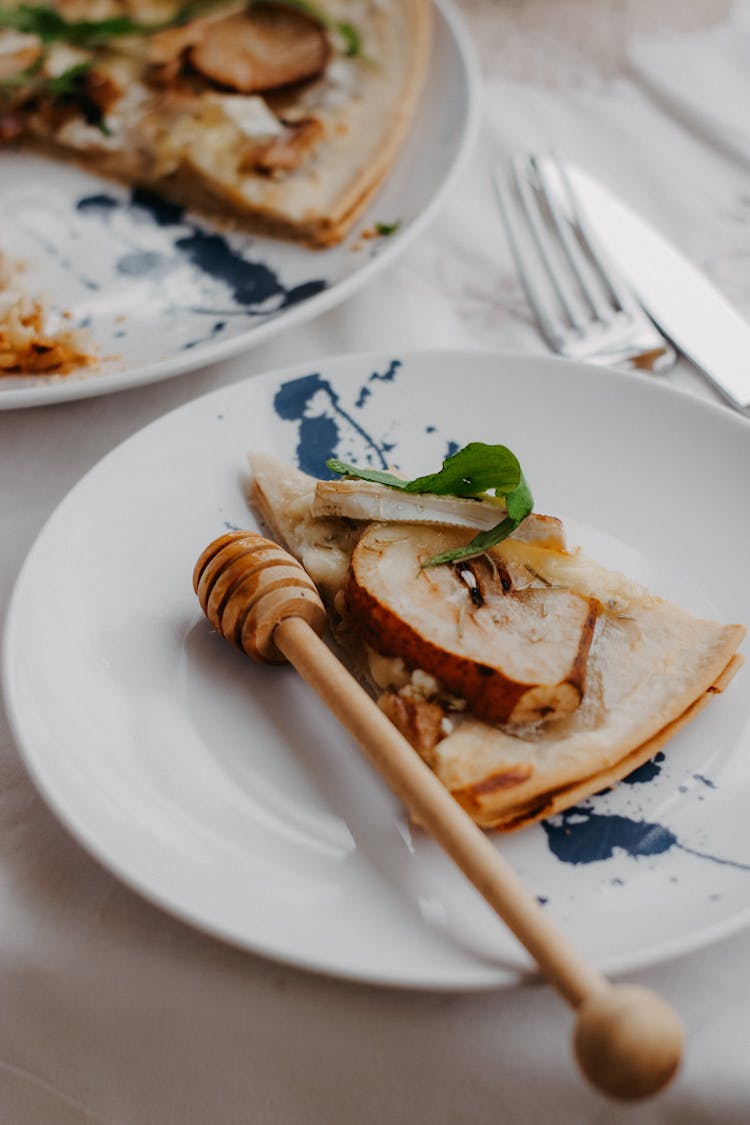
(113, 1012)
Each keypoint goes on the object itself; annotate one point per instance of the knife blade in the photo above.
(681, 301)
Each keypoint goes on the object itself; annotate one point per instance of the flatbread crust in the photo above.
(651, 668)
(187, 146)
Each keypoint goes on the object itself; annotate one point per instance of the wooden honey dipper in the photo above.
(628, 1042)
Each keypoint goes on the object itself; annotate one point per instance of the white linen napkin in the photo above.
(113, 1012)
(703, 80)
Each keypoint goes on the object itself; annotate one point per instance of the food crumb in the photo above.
(27, 345)
(377, 230)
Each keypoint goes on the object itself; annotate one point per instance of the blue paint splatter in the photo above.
(705, 780)
(312, 402)
(215, 330)
(163, 213)
(303, 292)
(251, 283)
(581, 836)
(98, 202)
(142, 263)
(647, 772)
(387, 376)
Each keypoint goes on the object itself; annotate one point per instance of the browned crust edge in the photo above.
(547, 804)
(353, 202)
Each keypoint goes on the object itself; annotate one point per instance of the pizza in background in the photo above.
(282, 115)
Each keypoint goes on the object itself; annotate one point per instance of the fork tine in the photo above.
(618, 291)
(593, 286)
(546, 318)
(583, 309)
(526, 190)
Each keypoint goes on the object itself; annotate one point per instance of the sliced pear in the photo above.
(516, 653)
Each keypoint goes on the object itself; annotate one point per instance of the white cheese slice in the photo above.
(61, 57)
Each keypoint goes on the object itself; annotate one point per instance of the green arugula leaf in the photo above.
(51, 27)
(351, 38)
(473, 471)
(385, 229)
(478, 545)
(375, 475)
(68, 83)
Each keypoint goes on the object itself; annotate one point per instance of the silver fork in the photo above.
(584, 309)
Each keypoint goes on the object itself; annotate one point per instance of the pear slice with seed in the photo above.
(516, 654)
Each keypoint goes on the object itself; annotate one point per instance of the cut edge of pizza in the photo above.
(281, 117)
(527, 678)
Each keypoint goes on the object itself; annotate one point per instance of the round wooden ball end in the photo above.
(628, 1041)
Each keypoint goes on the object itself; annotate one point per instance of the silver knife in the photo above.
(687, 308)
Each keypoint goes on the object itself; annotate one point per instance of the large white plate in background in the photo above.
(163, 292)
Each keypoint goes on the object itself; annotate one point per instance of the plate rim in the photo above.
(46, 394)
(480, 977)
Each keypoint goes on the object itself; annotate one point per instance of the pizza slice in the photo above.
(527, 675)
(282, 114)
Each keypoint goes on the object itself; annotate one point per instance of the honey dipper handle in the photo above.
(434, 808)
(628, 1042)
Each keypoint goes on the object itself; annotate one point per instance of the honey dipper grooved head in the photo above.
(247, 584)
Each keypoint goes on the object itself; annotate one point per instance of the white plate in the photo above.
(223, 791)
(163, 293)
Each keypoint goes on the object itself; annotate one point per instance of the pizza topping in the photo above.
(170, 44)
(267, 47)
(61, 58)
(12, 125)
(81, 95)
(517, 655)
(251, 115)
(287, 151)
